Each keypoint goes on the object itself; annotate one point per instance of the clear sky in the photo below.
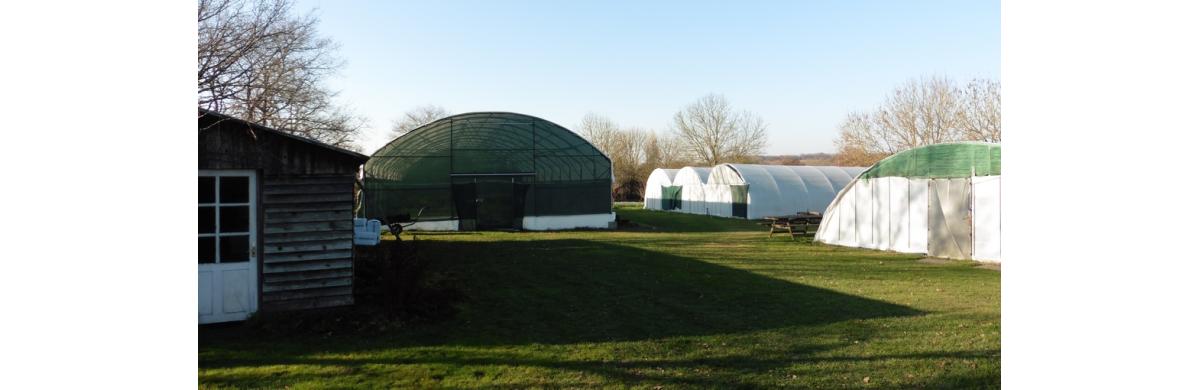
(801, 65)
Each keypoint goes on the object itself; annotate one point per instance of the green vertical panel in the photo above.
(982, 161)
(995, 162)
(671, 197)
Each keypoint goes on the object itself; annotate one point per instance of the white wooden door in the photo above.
(228, 236)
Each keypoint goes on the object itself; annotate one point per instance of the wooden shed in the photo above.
(275, 220)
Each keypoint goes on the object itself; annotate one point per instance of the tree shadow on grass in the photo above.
(554, 291)
(678, 222)
(681, 222)
(528, 299)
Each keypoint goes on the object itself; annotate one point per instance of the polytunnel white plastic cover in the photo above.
(783, 189)
(658, 179)
(946, 203)
(691, 181)
(895, 213)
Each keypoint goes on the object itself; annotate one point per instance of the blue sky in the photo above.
(801, 65)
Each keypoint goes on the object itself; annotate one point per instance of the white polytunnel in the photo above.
(943, 200)
(757, 191)
(660, 191)
(691, 181)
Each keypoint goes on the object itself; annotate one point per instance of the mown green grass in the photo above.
(680, 301)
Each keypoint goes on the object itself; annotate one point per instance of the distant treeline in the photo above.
(798, 159)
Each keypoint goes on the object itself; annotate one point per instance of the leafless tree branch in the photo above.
(417, 117)
(921, 112)
(258, 61)
(712, 133)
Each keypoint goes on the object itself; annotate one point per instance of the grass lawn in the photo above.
(682, 301)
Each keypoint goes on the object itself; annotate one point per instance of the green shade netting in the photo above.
(565, 174)
(671, 197)
(940, 161)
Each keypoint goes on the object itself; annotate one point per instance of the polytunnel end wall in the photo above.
(552, 170)
(908, 213)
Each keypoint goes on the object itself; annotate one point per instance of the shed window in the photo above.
(235, 249)
(235, 219)
(223, 219)
(208, 250)
(208, 219)
(208, 189)
(235, 189)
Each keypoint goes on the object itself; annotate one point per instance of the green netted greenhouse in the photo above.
(490, 170)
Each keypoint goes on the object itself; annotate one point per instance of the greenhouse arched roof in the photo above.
(661, 177)
(493, 141)
(692, 175)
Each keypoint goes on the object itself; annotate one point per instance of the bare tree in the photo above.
(630, 163)
(258, 61)
(713, 133)
(417, 117)
(862, 141)
(980, 113)
(635, 152)
(667, 151)
(600, 131)
(921, 112)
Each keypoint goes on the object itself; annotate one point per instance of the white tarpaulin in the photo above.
(918, 215)
(986, 191)
(955, 218)
(691, 181)
(718, 201)
(896, 209)
(862, 214)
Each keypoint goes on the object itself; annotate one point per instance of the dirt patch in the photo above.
(991, 266)
(934, 260)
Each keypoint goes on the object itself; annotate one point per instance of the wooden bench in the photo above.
(796, 224)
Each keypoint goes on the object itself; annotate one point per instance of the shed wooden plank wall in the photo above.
(306, 199)
(307, 241)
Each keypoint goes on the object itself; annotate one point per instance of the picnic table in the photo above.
(795, 224)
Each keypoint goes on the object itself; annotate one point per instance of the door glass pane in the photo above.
(235, 219)
(235, 189)
(235, 249)
(208, 189)
(207, 219)
(208, 250)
